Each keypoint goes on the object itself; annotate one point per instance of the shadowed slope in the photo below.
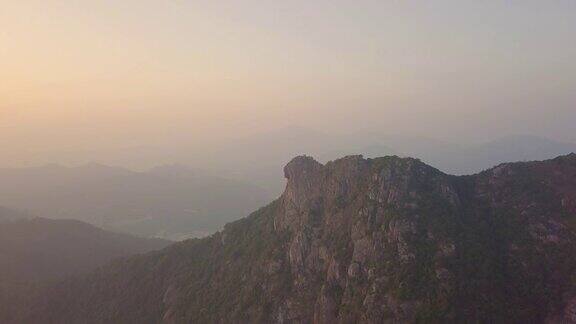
(359, 240)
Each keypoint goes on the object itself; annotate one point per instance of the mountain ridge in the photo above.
(37, 249)
(455, 157)
(36, 252)
(359, 240)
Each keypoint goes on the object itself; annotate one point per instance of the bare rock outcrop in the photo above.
(386, 240)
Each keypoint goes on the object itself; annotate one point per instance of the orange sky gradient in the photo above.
(79, 79)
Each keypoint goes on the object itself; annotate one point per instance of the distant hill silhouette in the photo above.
(232, 178)
(171, 201)
(37, 249)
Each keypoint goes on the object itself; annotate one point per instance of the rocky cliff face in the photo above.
(384, 240)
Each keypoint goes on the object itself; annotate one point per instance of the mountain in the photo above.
(39, 249)
(258, 159)
(35, 251)
(9, 215)
(370, 151)
(385, 240)
(171, 201)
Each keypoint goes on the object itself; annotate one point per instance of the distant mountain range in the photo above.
(230, 179)
(172, 202)
(355, 240)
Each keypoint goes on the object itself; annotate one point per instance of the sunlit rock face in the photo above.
(387, 240)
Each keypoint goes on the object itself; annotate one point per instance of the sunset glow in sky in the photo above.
(81, 78)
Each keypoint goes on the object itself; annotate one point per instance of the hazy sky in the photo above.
(81, 78)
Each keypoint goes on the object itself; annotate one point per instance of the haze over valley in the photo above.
(171, 202)
(178, 202)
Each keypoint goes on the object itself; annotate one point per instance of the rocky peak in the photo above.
(387, 180)
(301, 166)
(569, 157)
(304, 175)
(385, 240)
